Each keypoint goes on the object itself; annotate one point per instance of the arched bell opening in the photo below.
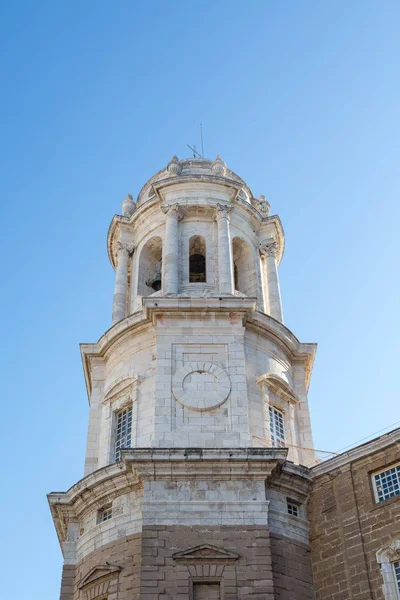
(244, 269)
(197, 259)
(150, 267)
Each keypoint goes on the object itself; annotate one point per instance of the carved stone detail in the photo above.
(172, 210)
(263, 206)
(216, 386)
(174, 167)
(269, 249)
(206, 553)
(218, 166)
(124, 247)
(128, 206)
(223, 211)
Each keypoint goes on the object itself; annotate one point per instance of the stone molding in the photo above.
(124, 388)
(174, 167)
(125, 247)
(198, 401)
(278, 386)
(205, 553)
(172, 210)
(97, 581)
(153, 306)
(269, 249)
(270, 225)
(357, 453)
(385, 557)
(223, 211)
(189, 463)
(389, 553)
(139, 465)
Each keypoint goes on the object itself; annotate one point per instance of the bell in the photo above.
(156, 283)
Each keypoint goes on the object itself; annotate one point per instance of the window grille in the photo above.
(105, 514)
(277, 426)
(387, 483)
(396, 567)
(123, 435)
(292, 509)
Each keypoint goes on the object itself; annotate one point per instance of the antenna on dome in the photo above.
(193, 148)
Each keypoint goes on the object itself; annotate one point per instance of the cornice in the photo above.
(358, 453)
(140, 464)
(189, 463)
(292, 480)
(217, 180)
(153, 306)
(89, 493)
(120, 221)
(285, 339)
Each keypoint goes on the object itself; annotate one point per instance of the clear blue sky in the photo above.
(300, 98)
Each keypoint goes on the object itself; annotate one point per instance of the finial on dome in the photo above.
(128, 206)
(174, 167)
(218, 166)
(263, 205)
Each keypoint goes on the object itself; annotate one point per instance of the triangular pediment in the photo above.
(205, 552)
(98, 574)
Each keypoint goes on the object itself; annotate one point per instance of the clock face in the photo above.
(201, 386)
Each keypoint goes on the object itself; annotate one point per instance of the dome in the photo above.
(193, 168)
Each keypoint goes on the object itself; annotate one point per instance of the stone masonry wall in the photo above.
(165, 579)
(348, 527)
(125, 553)
(149, 571)
(67, 582)
(291, 567)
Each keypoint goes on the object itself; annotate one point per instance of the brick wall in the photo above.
(348, 527)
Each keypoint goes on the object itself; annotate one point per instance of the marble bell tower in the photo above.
(199, 440)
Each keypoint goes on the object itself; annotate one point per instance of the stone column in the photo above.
(170, 251)
(225, 261)
(121, 282)
(270, 252)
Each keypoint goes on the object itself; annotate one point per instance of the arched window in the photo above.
(244, 268)
(150, 267)
(388, 558)
(197, 259)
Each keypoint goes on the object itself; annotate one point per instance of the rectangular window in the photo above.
(387, 483)
(104, 514)
(293, 509)
(396, 567)
(277, 426)
(123, 435)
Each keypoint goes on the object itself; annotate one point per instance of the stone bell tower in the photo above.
(199, 432)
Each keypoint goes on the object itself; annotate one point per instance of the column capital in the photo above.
(223, 211)
(172, 210)
(125, 247)
(269, 249)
